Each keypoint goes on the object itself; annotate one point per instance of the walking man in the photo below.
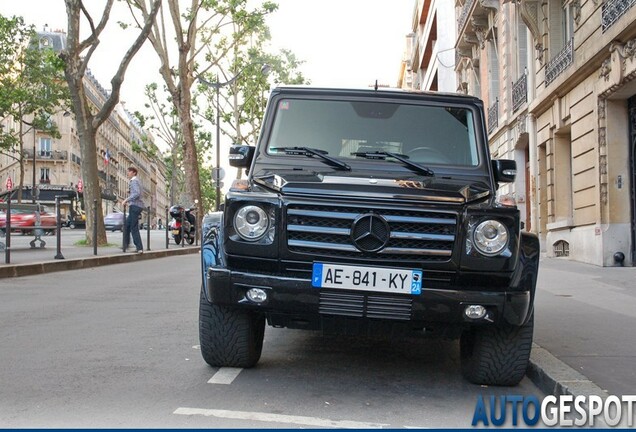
(135, 207)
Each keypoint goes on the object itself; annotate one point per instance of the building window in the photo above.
(522, 46)
(44, 175)
(562, 175)
(493, 70)
(561, 249)
(45, 147)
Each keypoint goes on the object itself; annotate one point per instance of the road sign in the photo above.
(218, 174)
(9, 183)
(80, 185)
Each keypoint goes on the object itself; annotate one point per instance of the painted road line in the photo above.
(225, 375)
(279, 418)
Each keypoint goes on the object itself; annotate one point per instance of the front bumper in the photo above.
(294, 303)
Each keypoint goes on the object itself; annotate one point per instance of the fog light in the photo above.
(475, 311)
(257, 295)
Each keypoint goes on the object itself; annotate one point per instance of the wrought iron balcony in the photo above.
(493, 116)
(45, 154)
(463, 16)
(613, 10)
(559, 63)
(519, 92)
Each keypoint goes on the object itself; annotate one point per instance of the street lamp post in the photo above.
(33, 186)
(217, 87)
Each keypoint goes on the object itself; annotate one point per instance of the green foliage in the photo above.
(32, 85)
(243, 99)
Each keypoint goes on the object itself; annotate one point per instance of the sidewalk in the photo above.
(586, 317)
(25, 260)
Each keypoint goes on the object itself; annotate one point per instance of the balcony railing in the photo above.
(613, 10)
(558, 64)
(46, 154)
(463, 16)
(519, 92)
(493, 116)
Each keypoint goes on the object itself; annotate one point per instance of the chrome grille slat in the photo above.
(417, 236)
(424, 235)
(315, 229)
(326, 246)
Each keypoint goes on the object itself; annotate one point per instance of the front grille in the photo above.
(365, 306)
(414, 235)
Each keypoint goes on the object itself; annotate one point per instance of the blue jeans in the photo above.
(132, 227)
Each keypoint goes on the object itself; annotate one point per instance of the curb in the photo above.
(554, 377)
(82, 263)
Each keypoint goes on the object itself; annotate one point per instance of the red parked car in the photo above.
(23, 219)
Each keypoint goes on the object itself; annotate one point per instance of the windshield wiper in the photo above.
(311, 152)
(402, 158)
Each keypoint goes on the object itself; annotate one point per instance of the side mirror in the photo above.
(505, 170)
(241, 156)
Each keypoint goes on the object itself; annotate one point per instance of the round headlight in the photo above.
(251, 222)
(490, 237)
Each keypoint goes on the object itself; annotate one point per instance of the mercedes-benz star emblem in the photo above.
(370, 232)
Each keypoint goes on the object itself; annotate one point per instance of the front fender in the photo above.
(212, 250)
(524, 280)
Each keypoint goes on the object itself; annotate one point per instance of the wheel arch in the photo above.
(212, 246)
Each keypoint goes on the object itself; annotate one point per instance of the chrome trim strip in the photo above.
(319, 229)
(320, 245)
(404, 251)
(418, 236)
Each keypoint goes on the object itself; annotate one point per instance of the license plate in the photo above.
(381, 279)
(176, 232)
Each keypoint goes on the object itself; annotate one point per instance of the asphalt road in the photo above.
(117, 346)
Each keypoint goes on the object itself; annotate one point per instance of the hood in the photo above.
(352, 185)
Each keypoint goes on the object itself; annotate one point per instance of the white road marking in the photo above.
(225, 375)
(279, 418)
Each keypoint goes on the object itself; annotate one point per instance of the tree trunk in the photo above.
(190, 157)
(92, 190)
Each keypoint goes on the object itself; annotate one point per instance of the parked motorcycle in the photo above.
(188, 232)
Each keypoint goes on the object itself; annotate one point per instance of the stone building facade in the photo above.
(557, 78)
(58, 162)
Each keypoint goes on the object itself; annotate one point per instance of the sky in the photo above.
(344, 43)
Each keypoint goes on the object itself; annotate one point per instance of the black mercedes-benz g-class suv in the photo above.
(370, 212)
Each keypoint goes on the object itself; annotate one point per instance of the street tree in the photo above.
(161, 118)
(32, 90)
(243, 104)
(204, 25)
(77, 56)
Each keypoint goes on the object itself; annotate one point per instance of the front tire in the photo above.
(177, 239)
(229, 337)
(496, 355)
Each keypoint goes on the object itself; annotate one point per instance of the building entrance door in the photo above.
(631, 103)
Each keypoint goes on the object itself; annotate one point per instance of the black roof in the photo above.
(381, 92)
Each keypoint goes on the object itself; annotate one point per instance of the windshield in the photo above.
(435, 135)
